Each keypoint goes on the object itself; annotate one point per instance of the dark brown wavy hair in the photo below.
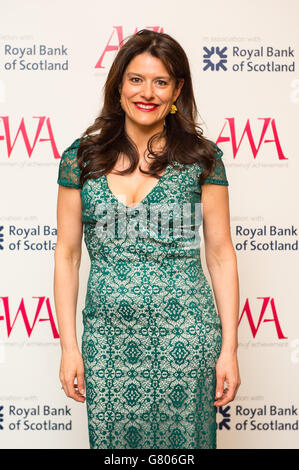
(103, 141)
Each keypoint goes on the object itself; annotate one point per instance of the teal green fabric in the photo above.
(151, 335)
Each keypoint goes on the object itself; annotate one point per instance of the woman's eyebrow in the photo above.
(140, 75)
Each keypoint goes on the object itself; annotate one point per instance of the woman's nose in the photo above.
(147, 90)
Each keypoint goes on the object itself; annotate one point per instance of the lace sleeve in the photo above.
(69, 171)
(218, 176)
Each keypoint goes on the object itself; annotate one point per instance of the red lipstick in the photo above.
(154, 106)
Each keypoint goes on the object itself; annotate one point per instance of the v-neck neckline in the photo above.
(150, 193)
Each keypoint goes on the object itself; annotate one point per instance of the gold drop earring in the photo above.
(173, 109)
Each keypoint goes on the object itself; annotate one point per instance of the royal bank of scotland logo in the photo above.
(1, 237)
(224, 417)
(1, 417)
(214, 58)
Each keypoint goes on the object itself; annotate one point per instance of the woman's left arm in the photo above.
(222, 265)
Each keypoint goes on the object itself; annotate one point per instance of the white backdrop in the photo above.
(247, 92)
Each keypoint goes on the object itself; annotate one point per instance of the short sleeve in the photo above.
(69, 171)
(218, 175)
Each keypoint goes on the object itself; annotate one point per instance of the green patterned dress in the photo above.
(151, 335)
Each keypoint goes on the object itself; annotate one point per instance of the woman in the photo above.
(155, 354)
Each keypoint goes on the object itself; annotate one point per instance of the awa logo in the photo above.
(23, 313)
(43, 123)
(268, 304)
(268, 127)
(115, 43)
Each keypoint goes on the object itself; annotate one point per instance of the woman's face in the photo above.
(146, 81)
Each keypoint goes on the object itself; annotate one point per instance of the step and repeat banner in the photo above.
(54, 60)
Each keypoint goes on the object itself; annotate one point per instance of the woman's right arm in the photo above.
(67, 259)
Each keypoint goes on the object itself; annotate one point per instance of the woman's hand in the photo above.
(71, 366)
(227, 370)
